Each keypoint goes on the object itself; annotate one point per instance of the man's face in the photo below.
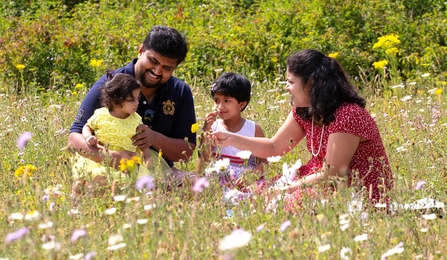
(152, 69)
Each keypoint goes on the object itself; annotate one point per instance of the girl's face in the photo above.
(130, 104)
(228, 107)
(300, 93)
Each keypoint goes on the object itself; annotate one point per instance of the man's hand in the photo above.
(144, 138)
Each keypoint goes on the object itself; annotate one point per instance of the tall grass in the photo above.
(182, 225)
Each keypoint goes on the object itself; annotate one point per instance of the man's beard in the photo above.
(144, 82)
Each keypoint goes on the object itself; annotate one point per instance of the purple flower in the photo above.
(90, 255)
(78, 233)
(200, 184)
(285, 225)
(420, 185)
(45, 198)
(145, 181)
(11, 237)
(23, 140)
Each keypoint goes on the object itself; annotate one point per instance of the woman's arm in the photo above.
(286, 138)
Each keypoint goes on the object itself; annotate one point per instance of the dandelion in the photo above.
(244, 155)
(238, 238)
(20, 66)
(78, 233)
(79, 86)
(379, 65)
(438, 91)
(145, 181)
(23, 140)
(11, 237)
(194, 128)
(200, 184)
(420, 185)
(110, 211)
(333, 55)
(95, 63)
(274, 159)
(285, 225)
(396, 250)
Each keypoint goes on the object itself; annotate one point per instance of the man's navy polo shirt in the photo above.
(171, 112)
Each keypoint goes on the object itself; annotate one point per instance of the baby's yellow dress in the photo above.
(114, 133)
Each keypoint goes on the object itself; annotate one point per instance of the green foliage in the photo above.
(57, 39)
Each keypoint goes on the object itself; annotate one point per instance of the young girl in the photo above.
(113, 125)
(231, 94)
(340, 134)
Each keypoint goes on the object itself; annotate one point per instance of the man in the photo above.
(166, 103)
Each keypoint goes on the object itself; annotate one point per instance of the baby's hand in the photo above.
(210, 118)
(147, 162)
(91, 140)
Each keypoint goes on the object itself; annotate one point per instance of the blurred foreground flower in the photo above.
(333, 55)
(200, 184)
(244, 155)
(32, 215)
(420, 185)
(194, 128)
(23, 140)
(220, 164)
(238, 238)
(274, 159)
(380, 64)
(27, 170)
(20, 66)
(145, 181)
(396, 250)
(285, 225)
(78, 233)
(95, 63)
(11, 237)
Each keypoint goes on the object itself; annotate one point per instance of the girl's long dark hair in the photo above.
(328, 82)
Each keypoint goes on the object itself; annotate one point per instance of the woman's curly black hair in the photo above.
(328, 82)
(117, 89)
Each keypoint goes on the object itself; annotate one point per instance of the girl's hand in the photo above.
(91, 140)
(210, 118)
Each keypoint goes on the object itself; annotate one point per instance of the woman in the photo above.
(340, 134)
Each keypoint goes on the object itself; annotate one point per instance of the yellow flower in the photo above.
(194, 128)
(20, 66)
(387, 41)
(79, 85)
(380, 64)
(136, 159)
(333, 55)
(74, 93)
(160, 154)
(123, 164)
(130, 164)
(392, 51)
(28, 169)
(95, 63)
(438, 91)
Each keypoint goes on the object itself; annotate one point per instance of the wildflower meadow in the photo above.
(144, 219)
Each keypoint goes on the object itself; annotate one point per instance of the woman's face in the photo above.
(300, 94)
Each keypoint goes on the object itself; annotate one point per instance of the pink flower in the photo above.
(200, 184)
(420, 185)
(285, 225)
(11, 237)
(78, 233)
(145, 181)
(23, 140)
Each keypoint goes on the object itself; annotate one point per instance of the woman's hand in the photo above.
(220, 138)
